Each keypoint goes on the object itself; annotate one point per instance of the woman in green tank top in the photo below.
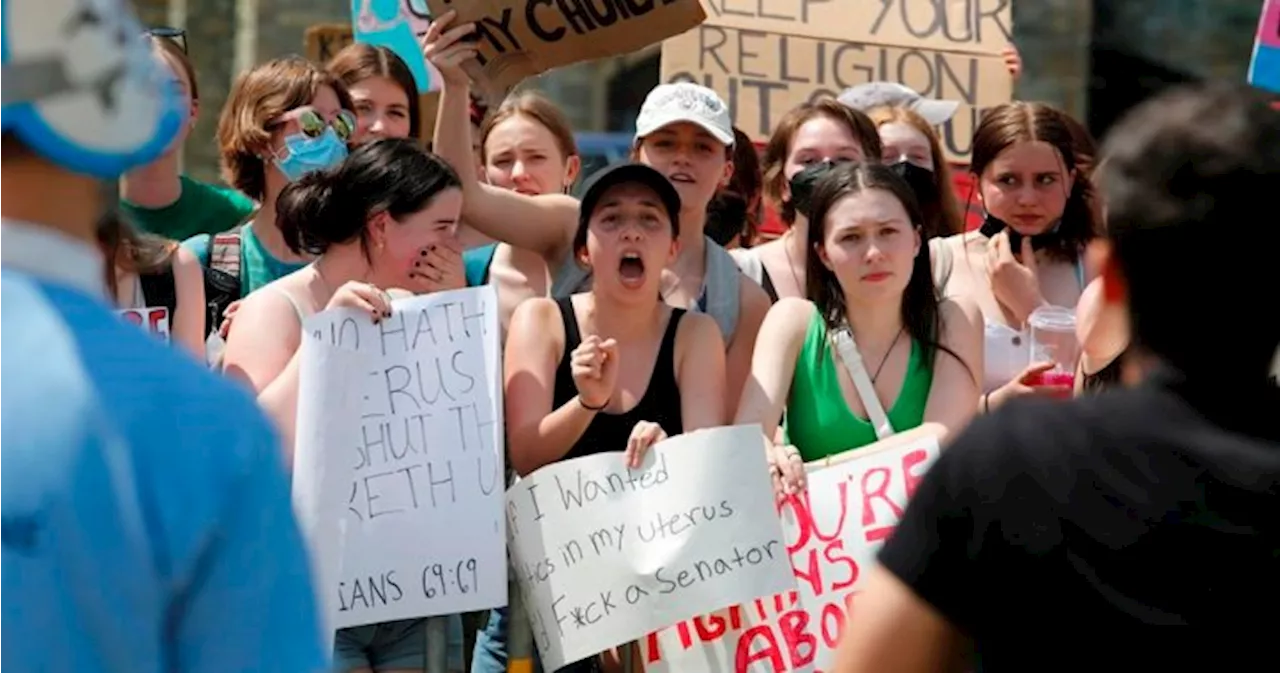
(867, 272)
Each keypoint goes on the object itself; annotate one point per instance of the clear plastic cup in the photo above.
(1053, 338)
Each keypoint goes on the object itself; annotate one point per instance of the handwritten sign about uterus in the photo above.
(398, 474)
(604, 554)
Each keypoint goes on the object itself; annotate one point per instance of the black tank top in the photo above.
(660, 404)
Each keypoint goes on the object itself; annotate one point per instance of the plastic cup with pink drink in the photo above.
(1053, 339)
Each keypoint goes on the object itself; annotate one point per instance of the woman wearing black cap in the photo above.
(615, 367)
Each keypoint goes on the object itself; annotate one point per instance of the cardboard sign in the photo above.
(605, 554)
(399, 26)
(322, 41)
(399, 447)
(154, 319)
(1264, 67)
(966, 26)
(764, 75)
(521, 38)
(833, 532)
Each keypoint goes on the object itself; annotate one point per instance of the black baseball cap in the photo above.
(624, 173)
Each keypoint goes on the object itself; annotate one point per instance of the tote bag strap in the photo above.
(847, 349)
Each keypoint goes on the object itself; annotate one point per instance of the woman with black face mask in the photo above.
(910, 146)
(1029, 251)
(810, 134)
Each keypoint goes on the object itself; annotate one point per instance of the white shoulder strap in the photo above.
(842, 340)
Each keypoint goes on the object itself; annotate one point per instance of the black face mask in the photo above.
(992, 225)
(726, 215)
(920, 179)
(802, 184)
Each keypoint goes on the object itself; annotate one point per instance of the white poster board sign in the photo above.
(604, 554)
(833, 532)
(398, 470)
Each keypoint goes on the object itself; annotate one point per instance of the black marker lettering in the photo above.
(391, 328)
(445, 478)
(531, 15)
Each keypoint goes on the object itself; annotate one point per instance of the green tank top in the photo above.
(819, 423)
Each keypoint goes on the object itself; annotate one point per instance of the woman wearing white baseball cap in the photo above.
(684, 131)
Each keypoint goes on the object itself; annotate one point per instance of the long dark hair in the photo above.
(920, 312)
(1011, 123)
(333, 206)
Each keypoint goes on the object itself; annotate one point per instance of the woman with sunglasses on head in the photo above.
(1030, 250)
(910, 146)
(282, 120)
(873, 351)
(157, 197)
(824, 131)
(369, 221)
(684, 132)
(147, 271)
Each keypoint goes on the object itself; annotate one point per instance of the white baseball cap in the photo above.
(864, 97)
(668, 104)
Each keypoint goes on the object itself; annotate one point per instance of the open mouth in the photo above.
(631, 269)
(682, 179)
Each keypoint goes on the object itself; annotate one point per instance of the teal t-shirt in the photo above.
(257, 266)
(201, 208)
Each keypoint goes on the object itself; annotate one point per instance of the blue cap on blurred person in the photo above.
(80, 86)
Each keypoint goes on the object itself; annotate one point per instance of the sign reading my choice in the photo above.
(521, 38)
(768, 57)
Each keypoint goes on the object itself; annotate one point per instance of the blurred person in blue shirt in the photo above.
(147, 524)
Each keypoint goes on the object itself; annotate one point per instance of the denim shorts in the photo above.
(392, 646)
(490, 654)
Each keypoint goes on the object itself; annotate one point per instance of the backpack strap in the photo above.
(943, 261)
(224, 252)
(476, 262)
(160, 289)
(847, 349)
(721, 292)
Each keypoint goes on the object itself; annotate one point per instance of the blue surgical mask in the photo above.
(304, 155)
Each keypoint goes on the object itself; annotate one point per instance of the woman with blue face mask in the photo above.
(282, 120)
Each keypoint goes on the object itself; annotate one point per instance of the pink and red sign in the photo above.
(1264, 69)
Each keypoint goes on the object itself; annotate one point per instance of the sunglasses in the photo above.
(178, 35)
(312, 125)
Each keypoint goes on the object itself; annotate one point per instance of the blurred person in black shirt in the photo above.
(1080, 535)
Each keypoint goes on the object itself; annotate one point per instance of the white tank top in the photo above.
(1006, 351)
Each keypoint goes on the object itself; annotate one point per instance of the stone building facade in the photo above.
(1203, 37)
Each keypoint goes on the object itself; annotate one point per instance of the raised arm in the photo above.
(700, 373)
(773, 365)
(754, 305)
(537, 433)
(543, 224)
(957, 375)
